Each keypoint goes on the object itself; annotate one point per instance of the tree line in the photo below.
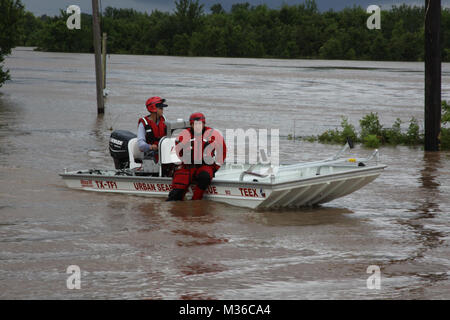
(11, 14)
(292, 31)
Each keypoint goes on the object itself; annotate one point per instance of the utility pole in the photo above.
(432, 74)
(104, 38)
(98, 58)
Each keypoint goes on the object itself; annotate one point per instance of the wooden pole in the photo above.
(98, 62)
(432, 74)
(104, 38)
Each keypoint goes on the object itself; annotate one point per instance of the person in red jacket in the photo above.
(202, 151)
(152, 128)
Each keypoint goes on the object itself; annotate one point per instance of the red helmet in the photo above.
(197, 117)
(155, 102)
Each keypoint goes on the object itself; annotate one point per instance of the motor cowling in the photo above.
(118, 147)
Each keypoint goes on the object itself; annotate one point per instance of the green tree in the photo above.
(379, 49)
(29, 29)
(188, 14)
(11, 13)
(217, 9)
(181, 44)
(293, 31)
(56, 37)
(332, 49)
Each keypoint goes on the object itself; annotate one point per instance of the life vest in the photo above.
(209, 136)
(153, 132)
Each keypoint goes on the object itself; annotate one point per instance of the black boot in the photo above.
(176, 195)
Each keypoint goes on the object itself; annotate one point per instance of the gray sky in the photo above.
(51, 7)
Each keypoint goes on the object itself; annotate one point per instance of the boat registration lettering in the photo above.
(142, 186)
(211, 190)
(164, 187)
(86, 183)
(247, 192)
(106, 184)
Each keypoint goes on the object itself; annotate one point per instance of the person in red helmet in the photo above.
(202, 151)
(152, 128)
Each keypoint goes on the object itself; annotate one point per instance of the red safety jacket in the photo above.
(202, 148)
(153, 132)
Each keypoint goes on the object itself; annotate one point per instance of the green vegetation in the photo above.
(371, 141)
(372, 133)
(393, 135)
(370, 126)
(298, 31)
(413, 136)
(445, 131)
(336, 136)
(11, 12)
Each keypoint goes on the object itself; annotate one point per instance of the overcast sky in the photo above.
(51, 7)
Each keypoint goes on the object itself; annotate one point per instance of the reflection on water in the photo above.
(194, 211)
(309, 216)
(137, 247)
(429, 173)
(422, 222)
(8, 125)
(429, 207)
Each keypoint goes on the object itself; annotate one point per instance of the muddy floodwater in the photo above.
(130, 247)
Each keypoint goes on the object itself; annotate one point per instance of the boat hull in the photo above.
(255, 195)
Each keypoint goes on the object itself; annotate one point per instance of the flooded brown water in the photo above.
(142, 248)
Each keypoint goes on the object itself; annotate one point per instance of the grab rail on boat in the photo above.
(319, 164)
(375, 155)
(256, 174)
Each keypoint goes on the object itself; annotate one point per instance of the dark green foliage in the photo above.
(297, 31)
(373, 134)
(445, 112)
(371, 141)
(413, 135)
(11, 15)
(330, 136)
(55, 36)
(370, 125)
(445, 132)
(217, 9)
(445, 139)
(348, 130)
(336, 136)
(393, 135)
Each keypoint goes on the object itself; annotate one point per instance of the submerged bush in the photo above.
(371, 141)
(336, 136)
(330, 136)
(373, 134)
(413, 136)
(348, 130)
(445, 112)
(370, 125)
(393, 135)
(445, 139)
(445, 132)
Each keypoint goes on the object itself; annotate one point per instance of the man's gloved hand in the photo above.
(150, 154)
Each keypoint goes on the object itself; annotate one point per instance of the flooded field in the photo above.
(131, 247)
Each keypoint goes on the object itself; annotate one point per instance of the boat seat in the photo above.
(135, 155)
(168, 153)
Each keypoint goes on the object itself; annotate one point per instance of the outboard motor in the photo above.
(118, 147)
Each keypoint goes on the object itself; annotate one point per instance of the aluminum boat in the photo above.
(257, 186)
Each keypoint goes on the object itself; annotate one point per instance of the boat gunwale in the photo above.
(280, 185)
